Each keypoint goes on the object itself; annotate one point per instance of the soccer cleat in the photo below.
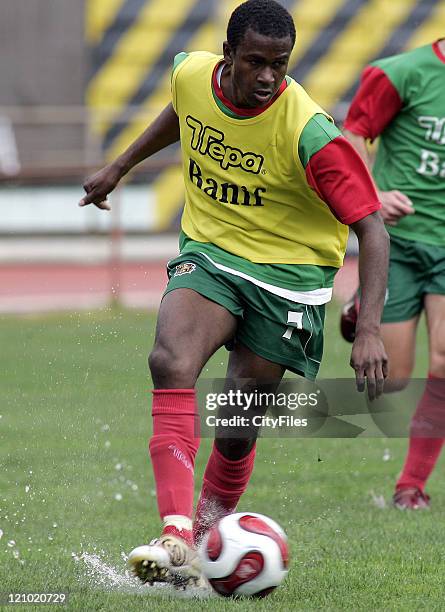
(348, 319)
(411, 498)
(167, 559)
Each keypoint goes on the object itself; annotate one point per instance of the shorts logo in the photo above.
(184, 268)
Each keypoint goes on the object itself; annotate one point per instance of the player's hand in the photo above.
(395, 205)
(99, 185)
(369, 360)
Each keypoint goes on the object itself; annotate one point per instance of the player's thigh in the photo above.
(192, 327)
(199, 309)
(245, 364)
(435, 316)
(400, 344)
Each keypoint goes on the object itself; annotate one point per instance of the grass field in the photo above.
(76, 490)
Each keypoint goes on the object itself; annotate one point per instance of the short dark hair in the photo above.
(265, 17)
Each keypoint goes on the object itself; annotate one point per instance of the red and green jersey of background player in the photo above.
(402, 99)
(332, 169)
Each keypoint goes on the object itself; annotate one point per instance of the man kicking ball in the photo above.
(271, 186)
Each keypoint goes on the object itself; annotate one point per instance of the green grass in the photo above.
(75, 477)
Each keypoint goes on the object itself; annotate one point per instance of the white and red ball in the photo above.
(245, 554)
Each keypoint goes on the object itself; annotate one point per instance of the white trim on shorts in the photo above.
(315, 297)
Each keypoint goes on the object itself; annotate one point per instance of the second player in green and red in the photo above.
(401, 100)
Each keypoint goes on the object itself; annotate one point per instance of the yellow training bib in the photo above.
(246, 189)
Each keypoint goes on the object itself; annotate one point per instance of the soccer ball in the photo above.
(245, 554)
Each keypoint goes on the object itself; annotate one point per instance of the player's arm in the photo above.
(340, 178)
(162, 132)
(368, 357)
(374, 106)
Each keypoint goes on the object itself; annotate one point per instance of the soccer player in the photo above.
(401, 99)
(271, 186)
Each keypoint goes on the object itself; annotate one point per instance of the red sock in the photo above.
(223, 484)
(173, 448)
(427, 435)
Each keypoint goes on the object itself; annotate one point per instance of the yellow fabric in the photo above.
(246, 189)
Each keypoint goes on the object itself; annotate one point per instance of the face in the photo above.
(257, 68)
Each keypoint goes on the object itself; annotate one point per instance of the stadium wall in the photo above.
(42, 41)
(44, 62)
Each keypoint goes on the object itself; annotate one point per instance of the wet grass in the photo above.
(76, 490)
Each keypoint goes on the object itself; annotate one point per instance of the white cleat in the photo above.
(167, 559)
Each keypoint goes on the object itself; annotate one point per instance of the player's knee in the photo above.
(399, 377)
(168, 368)
(156, 360)
(235, 448)
(392, 385)
(437, 363)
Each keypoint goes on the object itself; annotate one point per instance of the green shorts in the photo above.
(415, 270)
(262, 316)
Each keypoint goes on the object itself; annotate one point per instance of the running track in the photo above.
(42, 287)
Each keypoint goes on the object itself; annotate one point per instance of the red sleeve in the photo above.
(374, 105)
(339, 176)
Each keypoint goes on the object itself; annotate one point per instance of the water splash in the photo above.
(378, 500)
(100, 574)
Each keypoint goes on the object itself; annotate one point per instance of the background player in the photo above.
(401, 99)
(270, 185)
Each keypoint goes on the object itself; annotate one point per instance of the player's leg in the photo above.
(435, 316)
(190, 329)
(275, 334)
(231, 461)
(257, 373)
(429, 418)
(399, 339)
(424, 449)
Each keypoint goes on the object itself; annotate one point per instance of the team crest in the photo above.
(184, 268)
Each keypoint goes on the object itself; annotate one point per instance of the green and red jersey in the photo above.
(402, 100)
